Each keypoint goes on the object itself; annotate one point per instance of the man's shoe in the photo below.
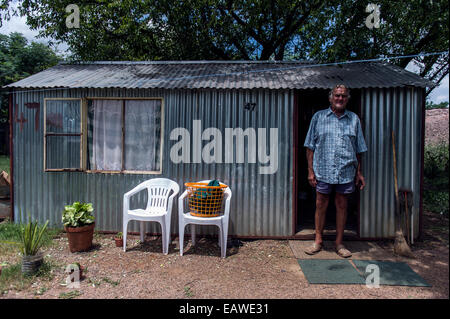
(313, 249)
(343, 252)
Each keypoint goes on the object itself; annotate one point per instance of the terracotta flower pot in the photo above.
(119, 242)
(80, 238)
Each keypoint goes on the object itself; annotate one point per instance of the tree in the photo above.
(19, 59)
(407, 27)
(429, 105)
(324, 31)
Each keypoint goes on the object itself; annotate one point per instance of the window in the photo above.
(62, 134)
(125, 135)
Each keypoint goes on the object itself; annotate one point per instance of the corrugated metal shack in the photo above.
(271, 103)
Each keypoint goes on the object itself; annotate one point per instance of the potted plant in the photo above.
(79, 223)
(118, 238)
(30, 243)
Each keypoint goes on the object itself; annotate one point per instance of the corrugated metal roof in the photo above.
(220, 75)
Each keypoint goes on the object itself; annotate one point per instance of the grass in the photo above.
(10, 231)
(69, 295)
(4, 163)
(12, 277)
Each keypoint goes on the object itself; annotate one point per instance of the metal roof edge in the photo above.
(187, 62)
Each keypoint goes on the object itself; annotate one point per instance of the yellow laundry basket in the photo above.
(204, 200)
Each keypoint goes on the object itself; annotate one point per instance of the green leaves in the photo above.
(19, 59)
(324, 31)
(78, 214)
(31, 238)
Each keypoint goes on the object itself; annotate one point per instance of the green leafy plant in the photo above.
(436, 159)
(78, 214)
(119, 235)
(31, 238)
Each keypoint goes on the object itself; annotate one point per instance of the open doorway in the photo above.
(308, 103)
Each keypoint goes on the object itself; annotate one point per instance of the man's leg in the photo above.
(341, 216)
(321, 212)
(322, 198)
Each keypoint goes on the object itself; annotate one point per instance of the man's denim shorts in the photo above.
(325, 188)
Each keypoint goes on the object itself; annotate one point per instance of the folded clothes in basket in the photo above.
(203, 193)
(206, 201)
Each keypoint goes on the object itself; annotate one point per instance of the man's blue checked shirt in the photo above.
(335, 142)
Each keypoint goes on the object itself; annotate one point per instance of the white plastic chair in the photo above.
(220, 221)
(159, 208)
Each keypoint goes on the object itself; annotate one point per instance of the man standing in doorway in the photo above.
(334, 145)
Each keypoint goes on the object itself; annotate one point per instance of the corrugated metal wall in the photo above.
(261, 204)
(384, 110)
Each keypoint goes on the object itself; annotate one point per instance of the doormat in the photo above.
(330, 271)
(392, 273)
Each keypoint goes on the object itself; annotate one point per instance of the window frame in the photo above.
(123, 171)
(81, 135)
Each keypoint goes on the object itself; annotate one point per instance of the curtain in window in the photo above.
(107, 135)
(142, 135)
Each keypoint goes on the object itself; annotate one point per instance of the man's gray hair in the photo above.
(339, 86)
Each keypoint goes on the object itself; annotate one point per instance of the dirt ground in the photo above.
(253, 269)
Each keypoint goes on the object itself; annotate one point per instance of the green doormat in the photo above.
(393, 273)
(325, 271)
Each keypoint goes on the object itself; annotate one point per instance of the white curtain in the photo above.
(107, 135)
(142, 135)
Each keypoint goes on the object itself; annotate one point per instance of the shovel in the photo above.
(401, 247)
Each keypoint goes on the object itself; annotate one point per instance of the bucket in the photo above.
(31, 264)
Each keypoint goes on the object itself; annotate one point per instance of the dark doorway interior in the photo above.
(309, 102)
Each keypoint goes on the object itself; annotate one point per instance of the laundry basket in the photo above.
(204, 200)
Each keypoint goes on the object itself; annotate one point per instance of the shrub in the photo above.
(436, 160)
(436, 197)
(436, 202)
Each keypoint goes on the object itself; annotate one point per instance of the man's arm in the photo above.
(359, 179)
(311, 176)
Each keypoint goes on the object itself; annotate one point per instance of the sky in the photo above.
(18, 24)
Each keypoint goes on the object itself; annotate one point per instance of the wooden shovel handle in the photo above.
(395, 167)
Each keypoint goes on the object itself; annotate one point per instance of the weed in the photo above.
(188, 292)
(69, 295)
(94, 282)
(110, 281)
(40, 291)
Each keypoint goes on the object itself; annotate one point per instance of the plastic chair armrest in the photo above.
(180, 202)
